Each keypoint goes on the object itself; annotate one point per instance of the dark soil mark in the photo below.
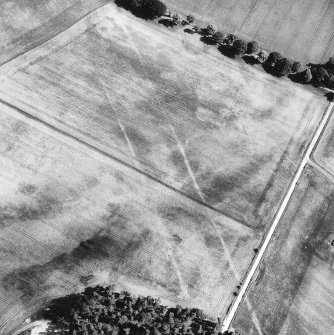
(33, 281)
(36, 209)
(177, 239)
(27, 189)
(212, 241)
(142, 144)
(175, 214)
(217, 185)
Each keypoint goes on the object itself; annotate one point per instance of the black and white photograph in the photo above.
(167, 167)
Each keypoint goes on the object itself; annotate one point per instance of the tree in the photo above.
(176, 19)
(273, 58)
(330, 65)
(149, 9)
(319, 74)
(284, 66)
(210, 30)
(239, 47)
(190, 19)
(306, 76)
(129, 315)
(330, 96)
(330, 81)
(230, 39)
(262, 56)
(252, 47)
(196, 29)
(218, 37)
(297, 67)
(155, 8)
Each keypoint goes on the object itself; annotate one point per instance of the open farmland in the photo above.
(140, 157)
(71, 217)
(300, 29)
(218, 131)
(324, 155)
(293, 292)
(26, 24)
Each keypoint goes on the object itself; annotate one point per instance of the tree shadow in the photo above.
(271, 70)
(226, 50)
(330, 96)
(141, 13)
(297, 78)
(166, 22)
(189, 31)
(60, 307)
(207, 40)
(251, 60)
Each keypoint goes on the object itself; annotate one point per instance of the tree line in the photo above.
(101, 311)
(230, 45)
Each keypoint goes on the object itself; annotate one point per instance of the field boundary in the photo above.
(306, 159)
(120, 161)
(52, 36)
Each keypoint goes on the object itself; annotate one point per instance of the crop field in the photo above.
(293, 292)
(220, 132)
(71, 217)
(300, 29)
(26, 24)
(140, 157)
(324, 154)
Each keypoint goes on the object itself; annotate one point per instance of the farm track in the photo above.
(306, 159)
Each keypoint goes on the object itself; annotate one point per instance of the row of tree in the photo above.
(100, 311)
(274, 62)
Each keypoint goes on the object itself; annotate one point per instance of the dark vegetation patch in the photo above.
(99, 310)
(146, 9)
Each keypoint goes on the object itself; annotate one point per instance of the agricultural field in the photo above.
(26, 24)
(299, 29)
(324, 154)
(220, 132)
(293, 292)
(138, 156)
(71, 217)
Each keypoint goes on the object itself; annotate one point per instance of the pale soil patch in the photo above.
(73, 217)
(216, 130)
(293, 292)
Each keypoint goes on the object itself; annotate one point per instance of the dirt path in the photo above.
(306, 159)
